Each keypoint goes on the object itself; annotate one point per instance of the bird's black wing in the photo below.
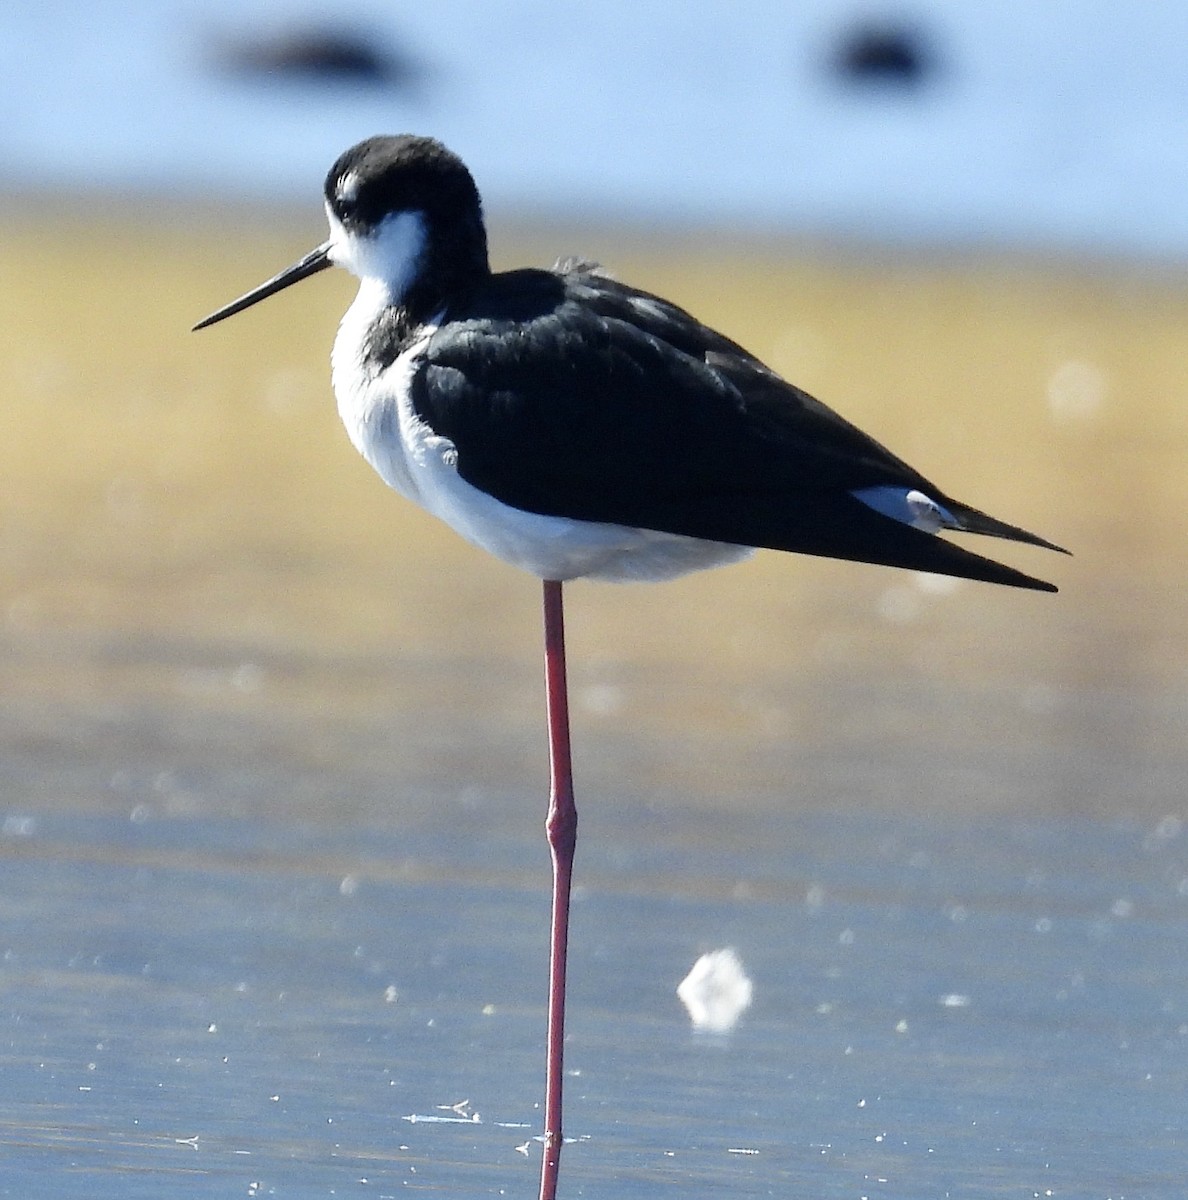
(573, 395)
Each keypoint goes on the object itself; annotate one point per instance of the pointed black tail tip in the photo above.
(1051, 546)
(1016, 579)
(1042, 585)
(1021, 580)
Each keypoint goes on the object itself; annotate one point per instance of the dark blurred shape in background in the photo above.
(885, 53)
(319, 54)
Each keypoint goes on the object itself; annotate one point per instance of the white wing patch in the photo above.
(907, 506)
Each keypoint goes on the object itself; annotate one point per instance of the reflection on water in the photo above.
(273, 766)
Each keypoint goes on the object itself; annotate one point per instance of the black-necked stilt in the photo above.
(578, 427)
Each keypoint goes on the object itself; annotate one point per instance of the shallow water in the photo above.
(252, 1009)
(273, 766)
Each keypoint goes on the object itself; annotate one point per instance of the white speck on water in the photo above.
(716, 992)
(461, 1115)
(18, 826)
(955, 1000)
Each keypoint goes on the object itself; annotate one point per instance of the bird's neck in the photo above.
(390, 310)
(381, 324)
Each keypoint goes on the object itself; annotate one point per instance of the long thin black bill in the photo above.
(315, 261)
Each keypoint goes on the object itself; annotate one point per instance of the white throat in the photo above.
(388, 259)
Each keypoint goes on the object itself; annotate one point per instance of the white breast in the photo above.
(422, 466)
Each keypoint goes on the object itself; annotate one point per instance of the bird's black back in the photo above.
(570, 394)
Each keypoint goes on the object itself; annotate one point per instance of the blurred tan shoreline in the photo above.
(158, 486)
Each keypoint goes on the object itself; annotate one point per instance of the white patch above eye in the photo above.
(348, 187)
(907, 506)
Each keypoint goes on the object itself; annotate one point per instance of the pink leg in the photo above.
(561, 828)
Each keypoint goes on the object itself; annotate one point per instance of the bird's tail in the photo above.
(972, 520)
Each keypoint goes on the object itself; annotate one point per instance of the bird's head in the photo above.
(402, 210)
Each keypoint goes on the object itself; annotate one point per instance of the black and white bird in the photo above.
(575, 426)
(580, 428)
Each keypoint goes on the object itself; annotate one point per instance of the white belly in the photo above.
(422, 466)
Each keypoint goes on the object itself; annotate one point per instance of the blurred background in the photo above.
(271, 740)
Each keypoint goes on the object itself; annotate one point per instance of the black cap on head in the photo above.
(382, 175)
